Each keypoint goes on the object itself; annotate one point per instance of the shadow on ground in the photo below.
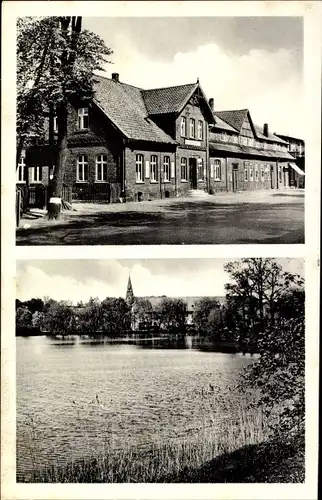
(269, 462)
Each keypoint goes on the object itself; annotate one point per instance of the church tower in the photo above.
(129, 298)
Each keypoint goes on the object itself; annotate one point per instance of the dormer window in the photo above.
(183, 126)
(83, 120)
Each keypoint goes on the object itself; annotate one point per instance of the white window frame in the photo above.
(251, 172)
(217, 169)
(20, 175)
(211, 170)
(200, 169)
(256, 173)
(192, 128)
(246, 174)
(268, 170)
(200, 130)
(154, 168)
(80, 167)
(280, 177)
(262, 173)
(82, 113)
(36, 175)
(101, 167)
(184, 168)
(139, 169)
(166, 169)
(183, 126)
(55, 125)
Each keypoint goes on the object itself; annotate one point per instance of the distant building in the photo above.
(127, 143)
(139, 321)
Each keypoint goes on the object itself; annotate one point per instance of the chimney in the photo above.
(116, 77)
(211, 103)
(265, 129)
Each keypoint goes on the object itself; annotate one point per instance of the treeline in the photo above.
(110, 316)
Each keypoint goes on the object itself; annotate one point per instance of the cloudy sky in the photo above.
(242, 62)
(77, 280)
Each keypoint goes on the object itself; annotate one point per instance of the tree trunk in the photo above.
(54, 205)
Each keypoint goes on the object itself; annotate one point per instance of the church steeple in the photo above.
(129, 292)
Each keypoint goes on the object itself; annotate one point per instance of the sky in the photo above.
(77, 280)
(242, 62)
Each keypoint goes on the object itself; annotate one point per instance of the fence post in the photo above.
(18, 207)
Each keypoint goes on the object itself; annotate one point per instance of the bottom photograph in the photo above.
(160, 371)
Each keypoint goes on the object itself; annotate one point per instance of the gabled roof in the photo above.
(235, 118)
(270, 137)
(124, 106)
(222, 125)
(289, 138)
(169, 99)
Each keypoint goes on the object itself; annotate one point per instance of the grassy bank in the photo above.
(165, 462)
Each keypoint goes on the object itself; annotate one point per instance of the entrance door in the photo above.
(235, 177)
(193, 173)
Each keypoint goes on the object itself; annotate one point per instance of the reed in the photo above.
(159, 461)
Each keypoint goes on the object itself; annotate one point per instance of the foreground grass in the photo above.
(159, 463)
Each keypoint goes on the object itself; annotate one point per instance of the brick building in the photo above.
(139, 144)
(245, 157)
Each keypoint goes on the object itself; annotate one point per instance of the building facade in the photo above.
(296, 148)
(245, 158)
(133, 144)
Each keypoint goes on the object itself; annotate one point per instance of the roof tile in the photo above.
(167, 100)
(124, 105)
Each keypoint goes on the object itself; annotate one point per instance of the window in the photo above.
(262, 173)
(256, 173)
(55, 125)
(251, 178)
(245, 174)
(154, 168)
(139, 168)
(217, 170)
(21, 170)
(200, 130)
(83, 121)
(101, 168)
(183, 126)
(82, 168)
(184, 169)
(279, 173)
(192, 128)
(166, 169)
(268, 171)
(201, 174)
(36, 174)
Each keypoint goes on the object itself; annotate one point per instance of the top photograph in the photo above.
(160, 131)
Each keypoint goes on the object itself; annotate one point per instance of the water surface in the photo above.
(76, 399)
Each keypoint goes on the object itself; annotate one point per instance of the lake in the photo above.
(74, 399)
